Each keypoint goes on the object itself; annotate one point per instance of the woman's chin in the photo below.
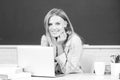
(55, 36)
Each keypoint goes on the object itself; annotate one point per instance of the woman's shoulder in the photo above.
(43, 40)
(75, 37)
(43, 37)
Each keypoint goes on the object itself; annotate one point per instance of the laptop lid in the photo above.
(37, 59)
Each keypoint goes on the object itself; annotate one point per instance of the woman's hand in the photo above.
(61, 38)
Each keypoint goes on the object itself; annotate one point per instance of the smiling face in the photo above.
(56, 25)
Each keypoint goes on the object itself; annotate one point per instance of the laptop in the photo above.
(37, 60)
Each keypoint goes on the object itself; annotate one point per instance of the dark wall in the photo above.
(96, 21)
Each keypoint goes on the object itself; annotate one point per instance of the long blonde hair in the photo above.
(59, 12)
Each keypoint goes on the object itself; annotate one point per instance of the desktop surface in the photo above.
(80, 76)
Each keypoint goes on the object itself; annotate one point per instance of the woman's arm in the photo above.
(74, 56)
(70, 61)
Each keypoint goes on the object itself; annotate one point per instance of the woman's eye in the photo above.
(57, 23)
(49, 24)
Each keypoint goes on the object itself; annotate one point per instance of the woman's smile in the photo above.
(56, 26)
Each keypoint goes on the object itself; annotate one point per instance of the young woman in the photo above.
(67, 44)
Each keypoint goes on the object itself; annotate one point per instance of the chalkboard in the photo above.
(96, 21)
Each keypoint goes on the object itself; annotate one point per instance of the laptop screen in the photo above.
(37, 60)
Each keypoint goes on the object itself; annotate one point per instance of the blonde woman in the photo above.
(67, 44)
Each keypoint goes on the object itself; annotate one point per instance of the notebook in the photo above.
(37, 60)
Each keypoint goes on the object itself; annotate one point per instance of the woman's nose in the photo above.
(54, 27)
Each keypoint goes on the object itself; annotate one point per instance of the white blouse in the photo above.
(69, 60)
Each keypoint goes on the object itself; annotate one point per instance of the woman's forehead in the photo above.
(56, 18)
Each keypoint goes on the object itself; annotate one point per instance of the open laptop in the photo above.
(37, 60)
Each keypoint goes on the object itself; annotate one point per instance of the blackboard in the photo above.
(96, 21)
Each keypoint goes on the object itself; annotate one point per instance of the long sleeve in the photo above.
(70, 60)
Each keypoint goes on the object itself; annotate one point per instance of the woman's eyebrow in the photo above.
(49, 23)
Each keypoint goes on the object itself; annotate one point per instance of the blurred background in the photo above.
(96, 21)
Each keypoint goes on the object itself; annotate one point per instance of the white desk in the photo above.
(78, 77)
